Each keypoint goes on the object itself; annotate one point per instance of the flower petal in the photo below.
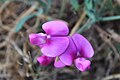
(84, 47)
(82, 64)
(70, 53)
(55, 46)
(37, 39)
(59, 64)
(56, 28)
(44, 60)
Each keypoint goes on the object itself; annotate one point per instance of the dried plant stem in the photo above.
(30, 10)
(118, 1)
(25, 57)
(104, 35)
(78, 23)
(4, 6)
(3, 44)
(115, 76)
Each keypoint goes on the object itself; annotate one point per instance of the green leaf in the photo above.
(75, 4)
(41, 3)
(110, 18)
(49, 3)
(86, 26)
(2, 1)
(23, 20)
(90, 9)
(46, 6)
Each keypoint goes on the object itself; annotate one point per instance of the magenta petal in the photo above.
(82, 64)
(59, 64)
(84, 47)
(37, 39)
(56, 28)
(44, 60)
(70, 53)
(55, 46)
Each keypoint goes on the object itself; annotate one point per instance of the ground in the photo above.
(19, 18)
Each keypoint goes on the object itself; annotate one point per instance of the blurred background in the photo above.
(97, 20)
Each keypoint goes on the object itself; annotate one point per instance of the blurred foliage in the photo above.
(1, 1)
(22, 21)
(75, 4)
(96, 9)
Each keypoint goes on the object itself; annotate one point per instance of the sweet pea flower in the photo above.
(73, 53)
(55, 41)
(56, 44)
(59, 64)
(78, 50)
(44, 60)
(84, 47)
(82, 64)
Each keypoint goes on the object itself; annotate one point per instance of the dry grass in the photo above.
(18, 56)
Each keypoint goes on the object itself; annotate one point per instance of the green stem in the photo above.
(86, 26)
(110, 18)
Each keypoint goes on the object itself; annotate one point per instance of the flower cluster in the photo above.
(64, 50)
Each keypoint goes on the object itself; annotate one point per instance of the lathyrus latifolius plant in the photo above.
(64, 50)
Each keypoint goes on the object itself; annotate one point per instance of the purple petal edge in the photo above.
(69, 54)
(44, 60)
(82, 64)
(83, 45)
(56, 27)
(59, 64)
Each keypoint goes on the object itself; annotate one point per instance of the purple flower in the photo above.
(55, 41)
(84, 50)
(82, 64)
(59, 64)
(56, 44)
(83, 46)
(79, 48)
(44, 60)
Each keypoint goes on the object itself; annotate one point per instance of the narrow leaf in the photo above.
(23, 20)
(75, 4)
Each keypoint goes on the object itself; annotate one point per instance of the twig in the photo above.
(118, 1)
(12, 31)
(78, 23)
(115, 76)
(3, 44)
(3, 66)
(2, 8)
(111, 34)
(33, 7)
(114, 35)
(26, 58)
(104, 35)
